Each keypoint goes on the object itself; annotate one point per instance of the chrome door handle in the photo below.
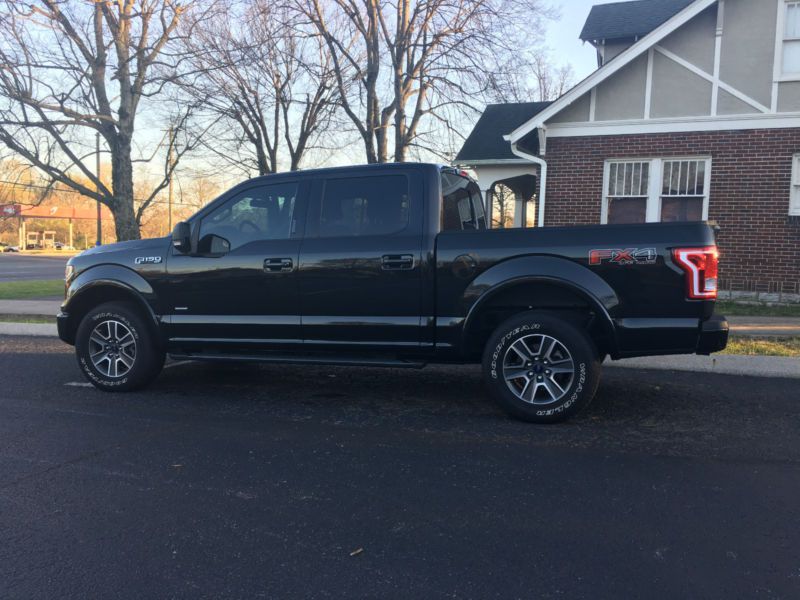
(278, 265)
(397, 262)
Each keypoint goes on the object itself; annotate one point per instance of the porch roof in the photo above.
(486, 140)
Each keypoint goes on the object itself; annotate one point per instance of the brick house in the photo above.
(693, 113)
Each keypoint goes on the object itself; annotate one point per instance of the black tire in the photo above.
(134, 365)
(535, 393)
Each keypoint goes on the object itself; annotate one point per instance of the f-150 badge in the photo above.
(147, 260)
(627, 256)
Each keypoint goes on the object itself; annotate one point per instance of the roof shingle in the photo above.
(486, 140)
(625, 20)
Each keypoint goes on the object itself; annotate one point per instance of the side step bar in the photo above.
(311, 359)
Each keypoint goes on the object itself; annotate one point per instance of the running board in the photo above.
(310, 359)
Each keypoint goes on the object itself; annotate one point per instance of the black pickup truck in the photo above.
(393, 265)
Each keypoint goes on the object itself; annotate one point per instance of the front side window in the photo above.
(656, 190)
(360, 206)
(259, 213)
(791, 39)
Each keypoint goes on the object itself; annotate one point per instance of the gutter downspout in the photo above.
(542, 178)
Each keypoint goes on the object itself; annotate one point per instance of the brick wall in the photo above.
(750, 186)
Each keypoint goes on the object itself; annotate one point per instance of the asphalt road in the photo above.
(16, 267)
(264, 481)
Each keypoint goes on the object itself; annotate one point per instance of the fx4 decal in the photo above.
(147, 260)
(628, 256)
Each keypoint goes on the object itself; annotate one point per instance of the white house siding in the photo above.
(748, 47)
(623, 96)
(683, 72)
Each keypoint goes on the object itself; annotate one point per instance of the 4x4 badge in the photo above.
(628, 256)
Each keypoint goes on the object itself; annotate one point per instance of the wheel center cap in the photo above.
(538, 368)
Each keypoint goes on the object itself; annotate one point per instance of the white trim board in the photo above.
(612, 67)
(683, 124)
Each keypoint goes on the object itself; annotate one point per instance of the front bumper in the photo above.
(713, 335)
(65, 330)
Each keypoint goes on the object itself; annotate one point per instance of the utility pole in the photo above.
(97, 171)
(169, 167)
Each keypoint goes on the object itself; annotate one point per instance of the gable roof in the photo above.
(486, 140)
(612, 67)
(626, 20)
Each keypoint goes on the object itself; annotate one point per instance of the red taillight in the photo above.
(701, 266)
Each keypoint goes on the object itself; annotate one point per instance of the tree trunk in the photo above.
(122, 185)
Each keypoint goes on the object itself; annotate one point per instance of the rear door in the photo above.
(360, 276)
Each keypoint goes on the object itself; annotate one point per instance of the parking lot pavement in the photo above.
(271, 481)
(18, 267)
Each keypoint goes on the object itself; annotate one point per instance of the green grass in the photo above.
(763, 346)
(27, 319)
(25, 290)
(726, 307)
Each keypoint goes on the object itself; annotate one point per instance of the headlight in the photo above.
(68, 273)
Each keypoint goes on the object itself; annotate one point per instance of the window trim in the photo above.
(794, 195)
(780, 42)
(654, 188)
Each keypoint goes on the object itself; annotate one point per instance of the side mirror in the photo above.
(182, 237)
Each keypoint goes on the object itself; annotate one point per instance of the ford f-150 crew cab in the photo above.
(393, 265)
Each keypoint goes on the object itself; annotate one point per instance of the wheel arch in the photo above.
(109, 283)
(540, 283)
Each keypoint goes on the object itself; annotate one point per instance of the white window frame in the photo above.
(794, 191)
(781, 39)
(655, 185)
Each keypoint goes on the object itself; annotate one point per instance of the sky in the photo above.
(562, 36)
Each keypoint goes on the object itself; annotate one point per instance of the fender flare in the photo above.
(542, 269)
(117, 277)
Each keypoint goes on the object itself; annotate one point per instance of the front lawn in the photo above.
(728, 308)
(26, 290)
(763, 346)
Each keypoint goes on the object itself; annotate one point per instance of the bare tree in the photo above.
(69, 70)
(258, 69)
(420, 64)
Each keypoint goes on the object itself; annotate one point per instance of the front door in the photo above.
(238, 288)
(360, 273)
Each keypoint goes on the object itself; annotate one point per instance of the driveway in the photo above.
(290, 482)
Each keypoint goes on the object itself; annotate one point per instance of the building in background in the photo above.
(693, 113)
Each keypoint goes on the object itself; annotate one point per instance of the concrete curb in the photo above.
(35, 329)
(730, 364)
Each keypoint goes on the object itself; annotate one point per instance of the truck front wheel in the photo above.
(540, 368)
(116, 350)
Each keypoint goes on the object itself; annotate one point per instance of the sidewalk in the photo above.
(43, 308)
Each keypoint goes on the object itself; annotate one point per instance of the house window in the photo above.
(656, 190)
(794, 202)
(628, 184)
(791, 39)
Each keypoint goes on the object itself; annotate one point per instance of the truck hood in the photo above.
(154, 244)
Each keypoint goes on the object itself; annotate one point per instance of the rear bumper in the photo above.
(713, 335)
(64, 328)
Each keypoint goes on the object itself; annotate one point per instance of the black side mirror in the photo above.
(182, 237)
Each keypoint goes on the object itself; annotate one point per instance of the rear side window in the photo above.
(462, 206)
(361, 206)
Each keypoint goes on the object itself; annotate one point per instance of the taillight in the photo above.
(701, 266)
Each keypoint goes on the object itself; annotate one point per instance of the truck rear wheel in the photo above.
(116, 349)
(540, 368)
